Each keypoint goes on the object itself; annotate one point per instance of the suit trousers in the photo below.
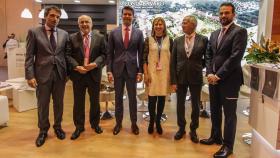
(54, 88)
(79, 88)
(156, 102)
(195, 90)
(217, 102)
(119, 83)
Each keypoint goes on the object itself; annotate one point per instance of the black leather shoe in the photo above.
(224, 152)
(97, 129)
(151, 128)
(211, 141)
(117, 129)
(135, 129)
(159, 128)
(77, 133)
(41, 139)
(60, 134)
(194, 137)
(179, 135)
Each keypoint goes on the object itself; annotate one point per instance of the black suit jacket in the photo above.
(225, 60)
(188, 70)
(75, 57)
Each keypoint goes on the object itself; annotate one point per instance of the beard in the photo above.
(225, 21)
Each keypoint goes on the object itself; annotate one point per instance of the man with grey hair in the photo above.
(86, 59)
(187, 62)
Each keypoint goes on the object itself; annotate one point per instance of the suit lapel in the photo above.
(59, 39)
(226, 36)
(119, 35)
(46, 38)
(183, 46)
(133, 33)
(93, 38)
(215, 39)
(81, 43)
(196, 41)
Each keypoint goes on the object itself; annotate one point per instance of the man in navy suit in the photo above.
(223, 62)
(125, 66)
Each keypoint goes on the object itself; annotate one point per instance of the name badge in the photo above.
(158, 66)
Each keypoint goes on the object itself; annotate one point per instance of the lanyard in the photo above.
(159, 45)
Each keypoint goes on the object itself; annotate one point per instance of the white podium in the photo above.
(265, 115)
(16, 60)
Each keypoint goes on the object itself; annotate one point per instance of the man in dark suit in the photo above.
(45, 70)
(187, 63)
(125, 66)
(223, 61)
(86, 60)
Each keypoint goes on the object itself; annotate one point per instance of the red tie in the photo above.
(86, 49)
(126, 37)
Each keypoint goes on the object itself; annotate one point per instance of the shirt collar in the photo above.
(227, 26)
(124, 27)
(89, 34)
(190, 36)
(48, 28)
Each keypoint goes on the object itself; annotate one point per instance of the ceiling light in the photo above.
(41, 14)
(112, 2)
(39, 1)
(77, 1)
(63, 14)
(26, 14)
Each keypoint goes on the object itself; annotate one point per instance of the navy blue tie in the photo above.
(52, 39)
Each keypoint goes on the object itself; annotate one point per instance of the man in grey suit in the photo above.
(223, 62)
(86, 60)
(125, 66)
(45, 70)
(187, 62)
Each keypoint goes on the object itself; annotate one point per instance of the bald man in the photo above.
(86, 59)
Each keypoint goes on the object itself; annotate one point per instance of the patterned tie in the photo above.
(126, 37)
(52, 39)
(86, 49)
(221, 35)
(188, 44)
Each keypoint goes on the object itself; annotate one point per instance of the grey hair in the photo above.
(191, 19)
(79, 18)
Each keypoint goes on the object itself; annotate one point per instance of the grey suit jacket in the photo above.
(186, 70)
(75, 55)
(225, 60)
(119, 56)
(41, 58)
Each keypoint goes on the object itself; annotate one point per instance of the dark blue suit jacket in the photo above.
(119, 56)
(225, 60)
